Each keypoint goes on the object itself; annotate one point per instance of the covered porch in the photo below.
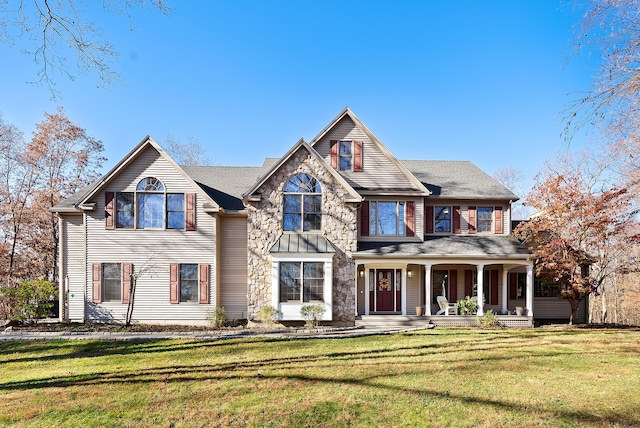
(409, 278)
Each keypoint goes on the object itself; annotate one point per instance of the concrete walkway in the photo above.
(325, 333)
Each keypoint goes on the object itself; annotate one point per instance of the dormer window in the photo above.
(302, 204)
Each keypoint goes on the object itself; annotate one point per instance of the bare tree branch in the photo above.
(60, 29)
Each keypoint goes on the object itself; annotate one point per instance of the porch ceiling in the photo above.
(456, 246)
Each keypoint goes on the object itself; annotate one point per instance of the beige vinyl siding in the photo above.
(151, 251)
(233, 266)
(556, 308)
(377, 169)
(74, 261)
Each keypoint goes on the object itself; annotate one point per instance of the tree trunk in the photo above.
(575, 304)
(603, 301)
(132, 294)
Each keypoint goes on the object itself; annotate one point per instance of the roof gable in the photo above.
(252, 195)
(82, 201)
(381, 170)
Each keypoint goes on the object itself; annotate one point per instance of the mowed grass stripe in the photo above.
(440, 377)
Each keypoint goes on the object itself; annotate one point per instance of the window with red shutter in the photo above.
(410, 222)
(204, 283)
(364, 219)
(357, 156)
(109, 211)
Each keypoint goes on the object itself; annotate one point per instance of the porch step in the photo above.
(391, 320)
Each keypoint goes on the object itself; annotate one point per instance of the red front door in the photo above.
(384, 290)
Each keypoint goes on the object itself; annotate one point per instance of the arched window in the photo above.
(150, 207)
(150, 198)
(302, 204)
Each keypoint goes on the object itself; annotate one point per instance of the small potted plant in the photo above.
(467, 306)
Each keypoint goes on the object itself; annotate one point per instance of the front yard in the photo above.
(440, 377)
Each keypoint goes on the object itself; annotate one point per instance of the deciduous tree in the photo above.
(59, 160)
(190, 153)
(579, 224)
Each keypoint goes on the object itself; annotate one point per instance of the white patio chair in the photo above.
(446, 307)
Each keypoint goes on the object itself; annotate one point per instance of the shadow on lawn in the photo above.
(61, 349)
(250, 371)
(294, 369)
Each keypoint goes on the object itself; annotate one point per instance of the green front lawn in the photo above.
(440, 377)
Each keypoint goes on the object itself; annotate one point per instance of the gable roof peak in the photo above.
(347, 112)
(251, 194)
(147, 142)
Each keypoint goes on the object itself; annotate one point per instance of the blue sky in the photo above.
(465, 80)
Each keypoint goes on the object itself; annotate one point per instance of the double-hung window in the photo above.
(189, 283)
(302, 204)
(111, 282)
(485, 219)
(345, 154)
(442, 219)
(387, 218)
(301, 282)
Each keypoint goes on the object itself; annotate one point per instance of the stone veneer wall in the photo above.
(339, 226)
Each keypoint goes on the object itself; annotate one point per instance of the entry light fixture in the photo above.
(409, 273)
(361, 273)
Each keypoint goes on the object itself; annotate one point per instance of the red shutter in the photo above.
(191, 211)
(498, 226)
(97, 282)
(494, 287)
(109, 224)
(453, 285)
(411, 222)
(429, 220)
(456, 219)
(127, 269)
(334, 153)
(472, 220)
(364, 219)
(468, 283)
(513, 285)
(357, 156)
(174, 278)
(204, 284)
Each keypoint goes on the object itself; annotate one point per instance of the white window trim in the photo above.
(290, 311)
(404, 217)
(340, 156)
(493, 219)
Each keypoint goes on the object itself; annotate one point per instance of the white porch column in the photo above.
(356, 287)
(505, 289)
(427, 289)
(480, 268)
(403, 292)
(366, 291)
(530, 290)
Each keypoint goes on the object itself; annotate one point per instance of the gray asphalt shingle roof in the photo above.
(457, 180)
(481, 246)
(446, 179)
